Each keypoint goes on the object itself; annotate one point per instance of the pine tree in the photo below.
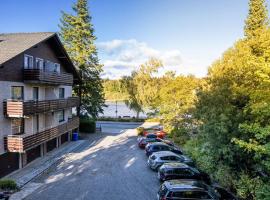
(257, 19)
(77, 33)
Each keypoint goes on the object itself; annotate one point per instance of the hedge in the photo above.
(87, 125)
(7, 184)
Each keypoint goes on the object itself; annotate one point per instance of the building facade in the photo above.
(37, 109)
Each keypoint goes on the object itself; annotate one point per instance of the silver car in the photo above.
(159, 158)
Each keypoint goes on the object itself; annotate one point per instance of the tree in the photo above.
(77, 33)
(132, 101)
(257, 19)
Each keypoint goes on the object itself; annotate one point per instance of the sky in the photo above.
(187, 35)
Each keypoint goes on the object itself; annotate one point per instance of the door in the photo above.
(35, 123)
(35, 93)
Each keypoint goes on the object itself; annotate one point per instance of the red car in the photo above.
(160, 134)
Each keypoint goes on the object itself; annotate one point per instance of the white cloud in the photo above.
(120, 57)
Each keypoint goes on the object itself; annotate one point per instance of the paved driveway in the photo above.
(111, 169)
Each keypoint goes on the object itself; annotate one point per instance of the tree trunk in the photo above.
(138, 113)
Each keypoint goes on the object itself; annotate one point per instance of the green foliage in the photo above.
(7, 184)
(114, 90)
(131, 88)
(257, 18)
(177, 96)
(87, 125)
(140, 131)
(77, 34)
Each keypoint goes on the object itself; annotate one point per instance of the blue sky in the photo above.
(187, 34)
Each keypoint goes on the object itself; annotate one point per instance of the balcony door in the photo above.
(28, 62)
(35, 93)
(17, 93)
(35, 123)
(17, 126)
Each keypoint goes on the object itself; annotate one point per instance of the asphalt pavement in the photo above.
(111, 168)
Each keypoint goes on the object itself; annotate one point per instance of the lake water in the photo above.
(121, 108)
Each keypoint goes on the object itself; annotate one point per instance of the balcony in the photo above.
(45, 77)
(21, 143)
(17, 109)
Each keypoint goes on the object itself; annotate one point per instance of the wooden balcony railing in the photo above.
(45, 77)
(21, 143)
(15, 108)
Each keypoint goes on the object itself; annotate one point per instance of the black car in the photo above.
(186, 189)
(176, 170)
(160, 146)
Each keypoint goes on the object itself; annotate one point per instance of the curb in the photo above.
(21, 182)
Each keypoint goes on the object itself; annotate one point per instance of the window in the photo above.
(57, 67)
(39, 63)
(165, 158)
(49, 66)
(61, 116)
(61, 93)
(173, 158)
(28, 62)
(35, 93)
(192, 195)
(184, 172)
(17, 92)
(17, 126)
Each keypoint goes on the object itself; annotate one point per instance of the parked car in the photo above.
(186, 189)
(176, 170)
(151, 135)
(224, 194)
(161, 146)
(156, 160)
(144, 141)
(159, 133)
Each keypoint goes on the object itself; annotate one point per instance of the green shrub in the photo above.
(87, 125)
(140, 131)
(7, 184)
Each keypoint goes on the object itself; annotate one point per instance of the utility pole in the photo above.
(116, 109)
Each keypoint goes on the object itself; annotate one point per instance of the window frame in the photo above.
(29, 56)
(20, 126)
(57, 67)
(22, 93)
(36, 61)
(62, 119)
(34, 93)
(63, 89)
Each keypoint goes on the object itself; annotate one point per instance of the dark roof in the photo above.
(13, 44)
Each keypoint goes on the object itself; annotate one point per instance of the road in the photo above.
(113, 168)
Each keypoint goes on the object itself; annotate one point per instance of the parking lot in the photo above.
(111, 168)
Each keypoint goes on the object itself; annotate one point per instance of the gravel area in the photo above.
(111, 168)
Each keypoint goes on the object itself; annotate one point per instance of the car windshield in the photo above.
(191, 195)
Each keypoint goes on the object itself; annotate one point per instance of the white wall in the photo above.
(46, 120)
